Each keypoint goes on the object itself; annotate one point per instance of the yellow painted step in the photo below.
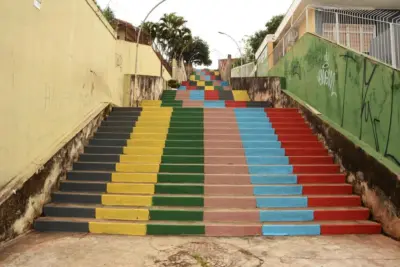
(241, 95)
(154, 108)
(201, 83)
(144, 123)
(192, 77)
(156, 151)
(150, 130)
(129, 188)
(117, 228)
(146, 136)
(150, 178)
(126, 200)
(143, 168)
(151, 159)
(209, 88)
(147, 143)
(122, 214)
(151, 103)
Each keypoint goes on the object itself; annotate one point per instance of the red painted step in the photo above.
(328, 189)
(298, 169)
(278, 125)
(294, 130)
(341, 214)
(310, 160)
(301, 144)
(305, 152)
(297, 137)
(211, 95)
(355, 228)
(185, 83)
(235, 104)
(321, 178)
(334, 201)
(276, 110)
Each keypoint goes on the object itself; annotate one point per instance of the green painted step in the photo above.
(182, 168)
(186, 130)
(156, 229)
(209, 83)
(180, 178)
(175, 143)
(180, 124)
(187, 119)
(198, 136)
(182, 160)
(176, 215)
(178, 201)
(179, 189)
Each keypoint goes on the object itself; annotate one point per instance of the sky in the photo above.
(206, 18)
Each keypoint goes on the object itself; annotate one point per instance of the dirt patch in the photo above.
(205, 254)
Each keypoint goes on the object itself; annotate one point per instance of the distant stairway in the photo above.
(198, 163)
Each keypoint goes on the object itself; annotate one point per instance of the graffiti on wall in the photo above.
(373, 108)
(327, 77)
(362, 96)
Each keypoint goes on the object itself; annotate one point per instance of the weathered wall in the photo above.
(354, 92)
(25, 204)
(149, 88)
(179, 71)
(58, 65)
(225, 67)
(148, 61)
(260, 88)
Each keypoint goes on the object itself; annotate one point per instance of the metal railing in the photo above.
(375, 33)
(246, 70)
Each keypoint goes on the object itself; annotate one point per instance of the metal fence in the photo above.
(375, 33)
(246, 70)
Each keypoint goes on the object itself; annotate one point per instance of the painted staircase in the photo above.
(205, 161)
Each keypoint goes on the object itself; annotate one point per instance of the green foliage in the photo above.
(273, 24)
(197, 52)
(255, 40)
(175, 40)
(108, 13)
(173, 84)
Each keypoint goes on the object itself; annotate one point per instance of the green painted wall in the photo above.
(356, 93)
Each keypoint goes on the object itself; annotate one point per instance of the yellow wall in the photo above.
(58, 65)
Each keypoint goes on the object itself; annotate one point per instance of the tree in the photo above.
(255, 40)
(175, 40)
(108, 13)
(197, 52)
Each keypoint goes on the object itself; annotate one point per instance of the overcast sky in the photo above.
(207, 17)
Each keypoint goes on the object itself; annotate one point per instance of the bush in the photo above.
(174, 84)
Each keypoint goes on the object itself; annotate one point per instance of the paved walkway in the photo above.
(42, 250)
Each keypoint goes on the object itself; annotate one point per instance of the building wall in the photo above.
(354, 92)
(58, 66)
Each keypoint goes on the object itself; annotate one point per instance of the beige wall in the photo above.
(58, 66)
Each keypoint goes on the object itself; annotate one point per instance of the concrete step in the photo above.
(208, 201)
(141, 228)
(236, 179)
(208, 189)
(207, 168)
(205, 214)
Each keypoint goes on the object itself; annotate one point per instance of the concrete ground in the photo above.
(42, 250)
